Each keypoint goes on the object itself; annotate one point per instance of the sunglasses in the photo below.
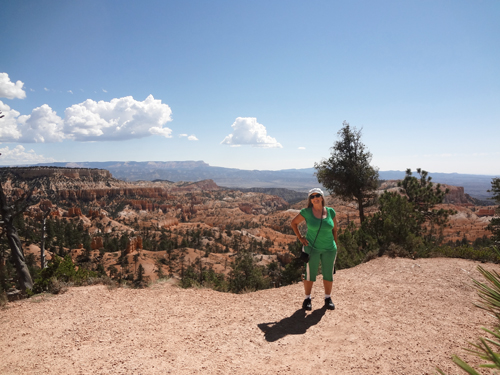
(312, 196)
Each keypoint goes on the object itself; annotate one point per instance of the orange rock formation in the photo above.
(486, 212)
(96, 243)
(134, 243)
(74, 212)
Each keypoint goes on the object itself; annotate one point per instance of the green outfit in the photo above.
(321, 248)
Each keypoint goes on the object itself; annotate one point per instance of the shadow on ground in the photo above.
(296, 324)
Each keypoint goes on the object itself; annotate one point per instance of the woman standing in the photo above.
(320, 243)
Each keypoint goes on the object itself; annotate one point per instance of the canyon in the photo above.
(220, 220)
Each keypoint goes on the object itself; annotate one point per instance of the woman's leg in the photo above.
(328, 263)
(308, 285)
(327, 267)
(307, 305)
(310, 278)
(328, 287)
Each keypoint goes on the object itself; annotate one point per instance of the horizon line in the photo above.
(201, 161)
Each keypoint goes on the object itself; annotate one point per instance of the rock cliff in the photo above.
(456, 195)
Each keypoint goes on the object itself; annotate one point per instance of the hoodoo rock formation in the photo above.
(97, 243)
(148, 206)
(89, 195)
(134, 244)
(74, 212)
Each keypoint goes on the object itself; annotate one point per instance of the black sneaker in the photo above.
(329, 304)
(306, 305)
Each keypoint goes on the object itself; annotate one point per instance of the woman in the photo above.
(320, 243)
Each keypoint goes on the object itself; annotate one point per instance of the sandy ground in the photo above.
(393, 316)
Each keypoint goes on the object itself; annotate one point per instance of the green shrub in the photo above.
(208, 279)
(292, 273)
(354, 245)
(59, 274)
(482, 254)
(215, 281)
(246, 276)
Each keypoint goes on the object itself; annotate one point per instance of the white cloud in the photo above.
(46, 89)
(19, 155)
(8, 124)
(165, 132)
(104, 90)
(11, 90)
(302, 148)
(70, 91)
(32, 90)
(118, 119)
(190, 138)
(247, 131)
(42, 125)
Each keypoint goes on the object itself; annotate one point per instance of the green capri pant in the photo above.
(327, 259)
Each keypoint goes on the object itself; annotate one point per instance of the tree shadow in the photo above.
(296, 324)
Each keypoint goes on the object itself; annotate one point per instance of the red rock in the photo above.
(486, 212)
(96, 243)
(74, 212)
(134, 243)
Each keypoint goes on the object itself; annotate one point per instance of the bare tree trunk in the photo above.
(45, 214)
(42, 246)
(3, 284)
(361, 210)
(23, 273)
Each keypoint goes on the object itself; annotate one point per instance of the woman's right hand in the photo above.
(303, 241)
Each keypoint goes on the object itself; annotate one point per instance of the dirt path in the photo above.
(393, 316)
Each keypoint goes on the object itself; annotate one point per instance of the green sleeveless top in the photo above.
(325, 240)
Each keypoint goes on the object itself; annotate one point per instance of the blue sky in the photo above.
(251, 84)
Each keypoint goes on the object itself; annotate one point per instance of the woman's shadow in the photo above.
(296, 324)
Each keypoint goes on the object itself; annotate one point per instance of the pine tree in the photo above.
(494, 225)
(348, 173)
(246, 275)
(424, 196)
(408, 219)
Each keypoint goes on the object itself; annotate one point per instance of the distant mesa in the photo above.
(33, 172)
(299, 180)
(158, 180)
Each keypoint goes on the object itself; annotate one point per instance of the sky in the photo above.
(251, 84)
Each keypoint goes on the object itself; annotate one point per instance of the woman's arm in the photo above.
(295, 226)
(335, 231)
